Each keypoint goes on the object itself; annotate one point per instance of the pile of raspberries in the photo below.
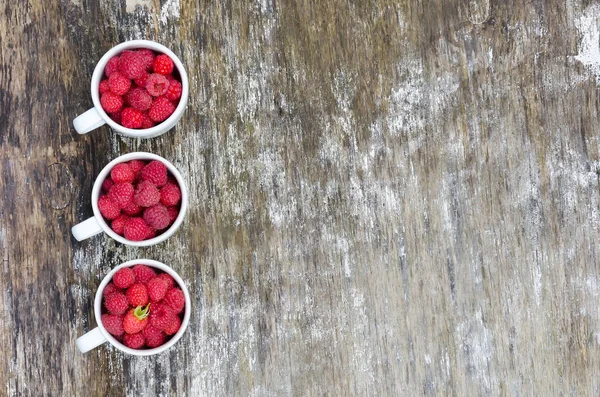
(142, 307)
(141, 88)
(139, 199)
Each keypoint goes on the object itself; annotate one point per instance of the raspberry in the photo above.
(107, 184)
(110, 289)
(118, 83)
(118, 224)
(155, 172)
(111, 103)
(151, 234)
(136, 229)
(173, 327)
(131, 118)
(132, 208)
(116, 303)
(174, 91)
(173, 213)
(134, 341)
(170, 194)
(137, 295)
(136, 166)
(147, 121)
(108, 208)
(157, 289)
(163, 64)
(121, 194)
(146, 194)
(111, 66)
(157, 216)
(124, 278)
(166, 277)
(154, 337)
(143, 273)
(132, 65)
(140, 99)
(175, 299)
(157, 84)
(113, 324)
(161, 316)
(161, 109)
(122, 172)
(142, 80)
(171, 78)
(104, 87)
(148, 56)
(136, 319)
(116, 117)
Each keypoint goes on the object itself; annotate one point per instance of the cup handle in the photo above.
(86, 229)
(88, 121)
(90, 341)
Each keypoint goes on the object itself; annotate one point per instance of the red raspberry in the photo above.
(122, 172)
(157, 288)
(111, 66)
(143, 273)
(154, 337)
(110, 289)
(136, 229)
(124, 278)
(136, 166)
(146, 194)
(174, 91)
(131, 118)
(174, 327)
(148, 56)
(136, 319)
(175, 299)
(111, 103)
(107, 184)
(134, 341)
(137, 295)
(116, 117)
(104, 87)
(171, 78)
(113, 324)
(143, 80)
(147, 121)
(118, 224)
(151, 234)
(108, 208)
(140, 99)
(155, 172)
(173, 213)
(163, 64)
(132, 65)
(161, 316)
(166, 277)
(157, 216)
(132, 208)
(161, 109)
(116, 303)
(157, 84)
(118, 83)
(170, 194)
(121, 194)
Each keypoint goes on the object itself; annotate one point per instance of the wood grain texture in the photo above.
(387, 198)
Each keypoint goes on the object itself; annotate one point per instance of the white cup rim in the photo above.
(184, 323)
(99, 73)
(139, 156)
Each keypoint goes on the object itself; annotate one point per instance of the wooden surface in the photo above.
(387, 198)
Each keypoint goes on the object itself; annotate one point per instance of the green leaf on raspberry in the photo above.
(142, 312)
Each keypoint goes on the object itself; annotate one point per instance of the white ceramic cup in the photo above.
(100, 335)
(96, 116)
(97, 224)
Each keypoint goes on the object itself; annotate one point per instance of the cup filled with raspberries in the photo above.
(138, 199)
(142, 307)
(139, 88)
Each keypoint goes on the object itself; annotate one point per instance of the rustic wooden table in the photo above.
(387, 198)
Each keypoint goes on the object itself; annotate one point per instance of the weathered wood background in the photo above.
(387, 198)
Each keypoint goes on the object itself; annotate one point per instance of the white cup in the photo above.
(97, 224)
(96, 116)
(100, 335)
